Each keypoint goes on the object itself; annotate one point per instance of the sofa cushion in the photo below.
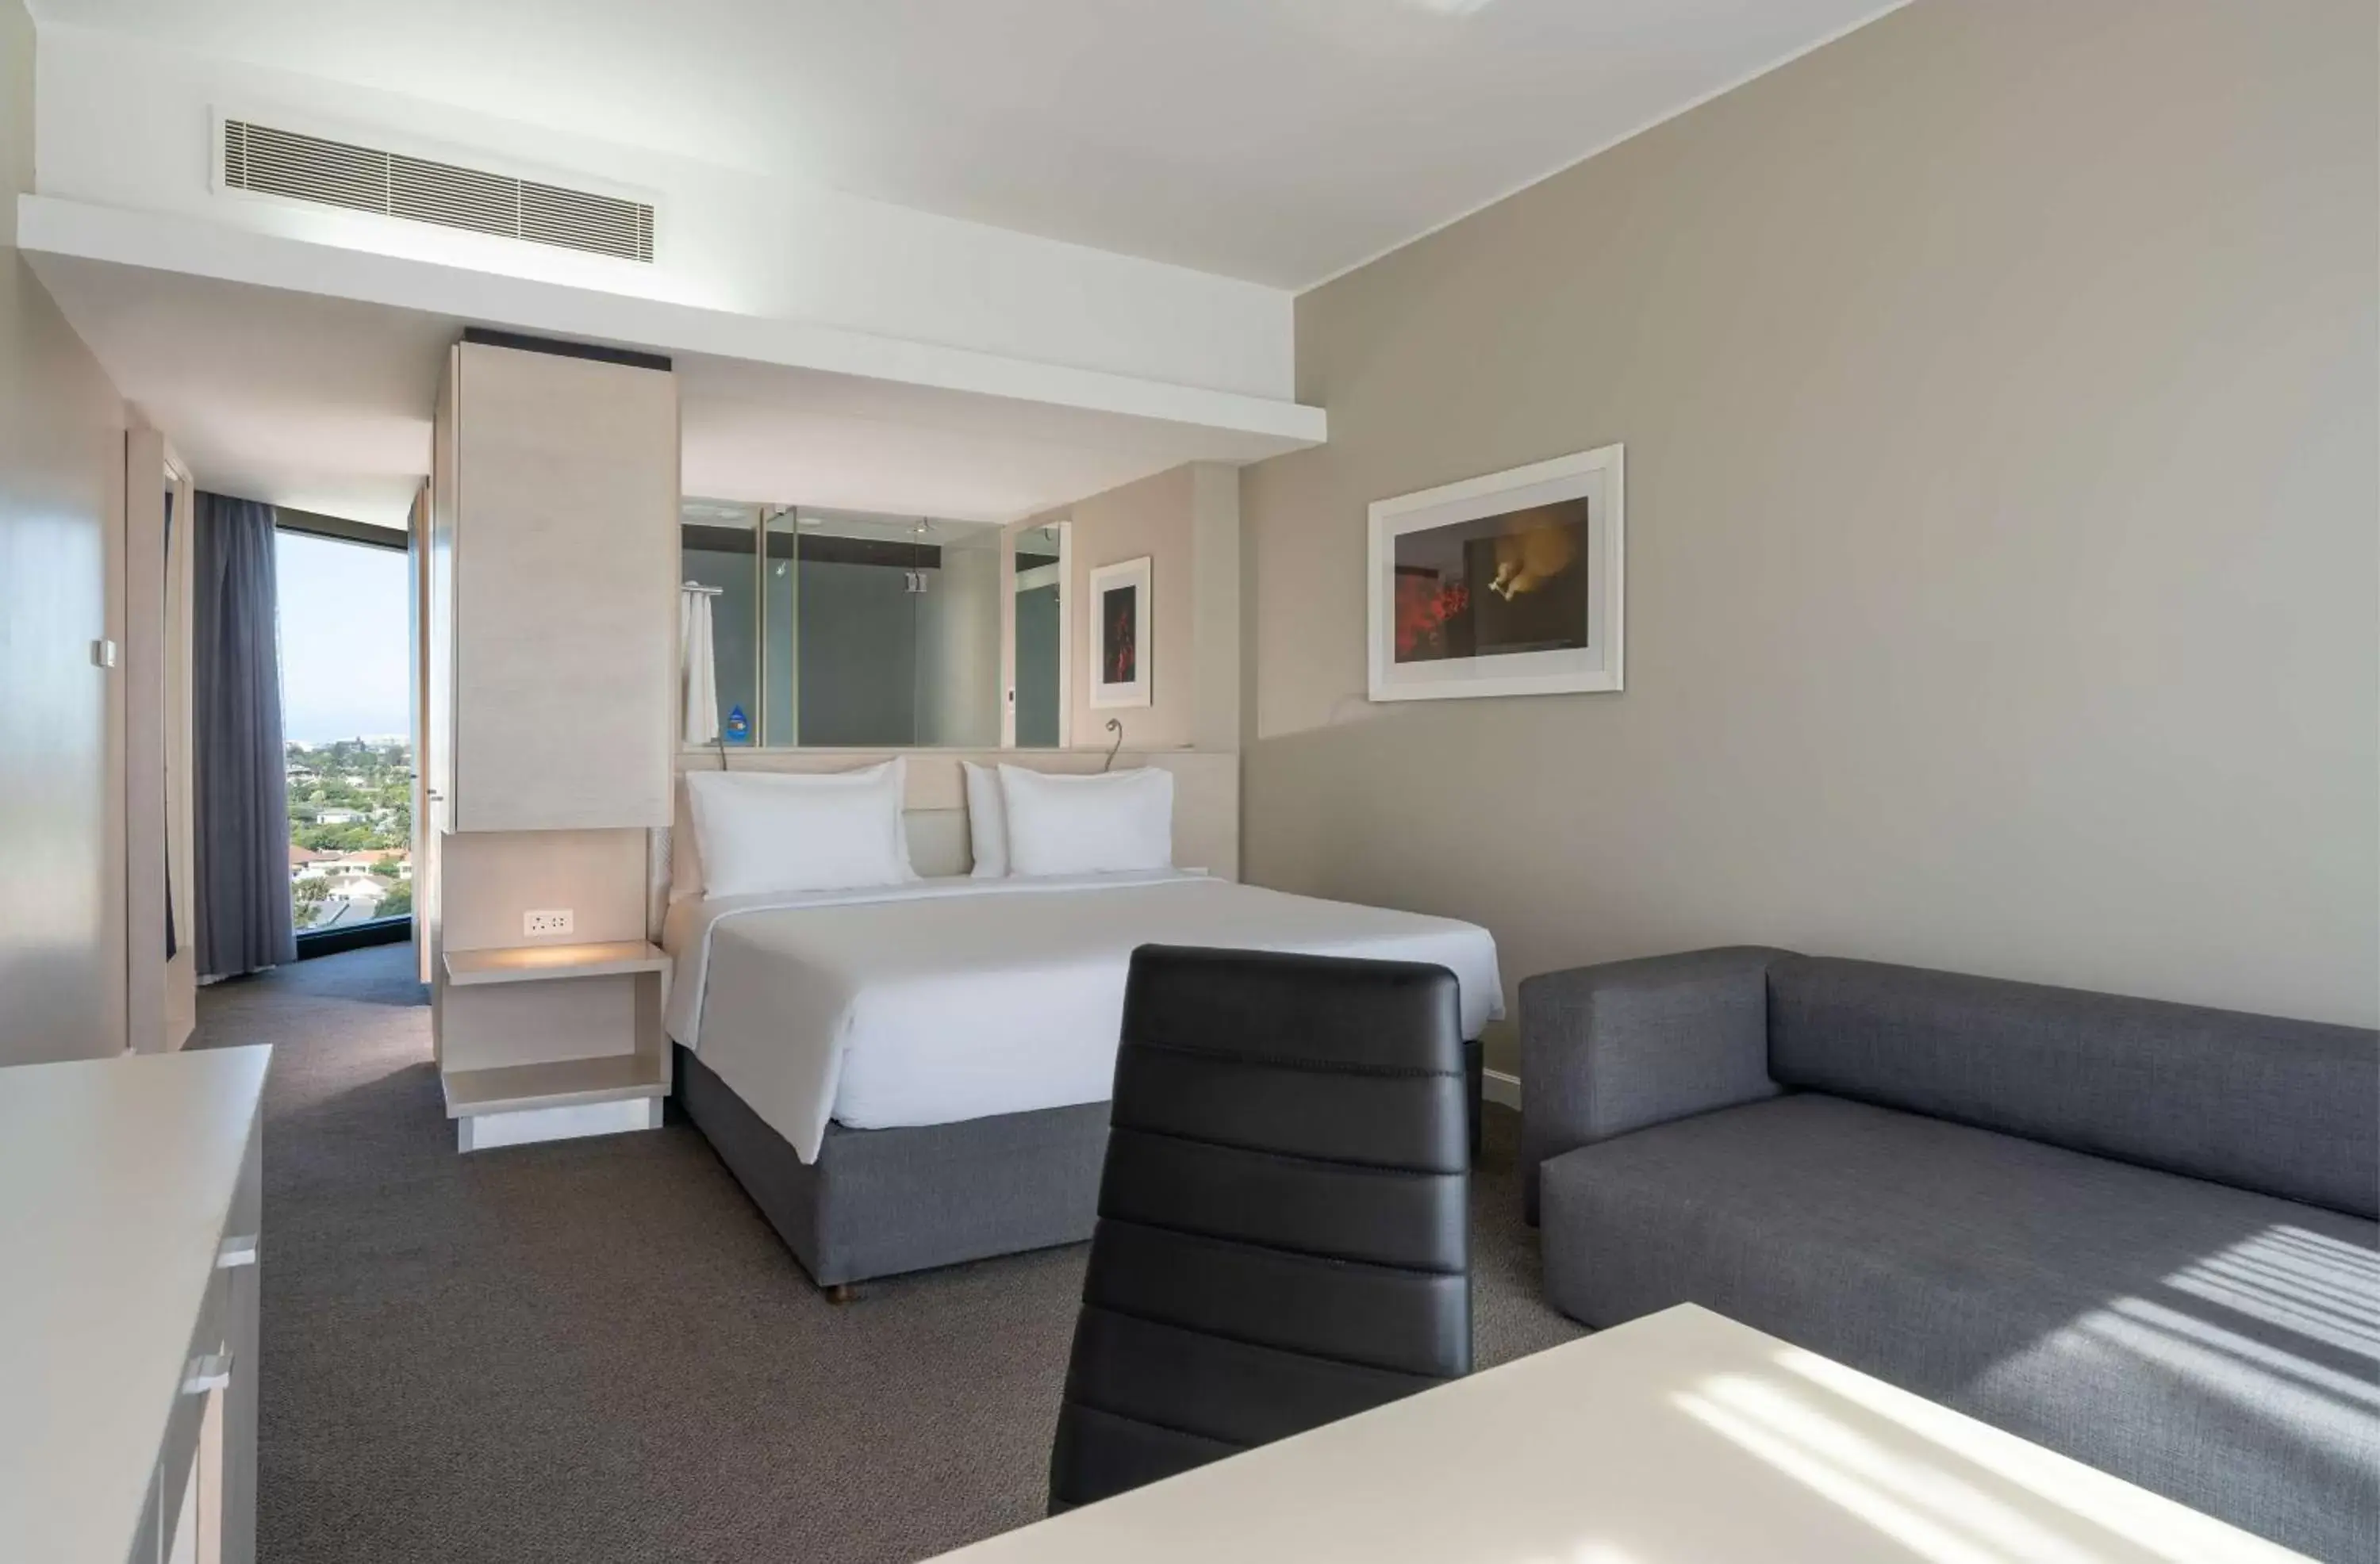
(2281, 1107)
(2210, 1345)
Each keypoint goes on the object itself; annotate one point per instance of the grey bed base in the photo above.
(880, 1202)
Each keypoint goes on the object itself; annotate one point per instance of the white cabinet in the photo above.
(131, 1211)
(553, 589)
(551, 645)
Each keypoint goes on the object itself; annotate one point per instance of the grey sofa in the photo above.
(2139, 1233)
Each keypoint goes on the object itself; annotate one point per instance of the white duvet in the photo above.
(946, 1000)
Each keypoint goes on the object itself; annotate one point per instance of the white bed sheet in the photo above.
(955, 999)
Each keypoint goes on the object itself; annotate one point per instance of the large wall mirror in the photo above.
(1040, 691)
(841, 629)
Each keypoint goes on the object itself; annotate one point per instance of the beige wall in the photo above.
(1188, 521)
(1998, 392)
(62, 973)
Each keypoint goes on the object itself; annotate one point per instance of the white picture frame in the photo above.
(1118, 624)
(1535, 525)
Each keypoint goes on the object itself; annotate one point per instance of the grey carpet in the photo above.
(597, 1350)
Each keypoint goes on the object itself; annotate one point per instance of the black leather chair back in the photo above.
(1283, 1234)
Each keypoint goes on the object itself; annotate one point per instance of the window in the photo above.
(347, 693)
(841, 629)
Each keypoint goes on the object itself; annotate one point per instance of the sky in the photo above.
(345, 658)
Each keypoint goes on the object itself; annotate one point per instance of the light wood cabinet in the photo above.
(551, 653)
(553, 599)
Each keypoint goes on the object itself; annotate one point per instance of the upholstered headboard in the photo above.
(1205, 803)
(937, 841)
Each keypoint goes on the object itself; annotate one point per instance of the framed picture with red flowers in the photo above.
(1122, 649)
(1510, 584)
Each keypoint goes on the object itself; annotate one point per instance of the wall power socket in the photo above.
(554, 921)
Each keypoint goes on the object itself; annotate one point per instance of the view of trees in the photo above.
(350, 830)
(365, 788)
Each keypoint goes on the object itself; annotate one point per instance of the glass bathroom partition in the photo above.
(1041, 637)
(846, 630)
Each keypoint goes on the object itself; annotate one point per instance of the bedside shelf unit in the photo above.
(530, 964)
(550, 1042)
(509, 1089)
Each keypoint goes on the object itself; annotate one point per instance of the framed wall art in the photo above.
(1510, 584)
(1122, 649)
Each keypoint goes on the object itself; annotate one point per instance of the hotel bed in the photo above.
(911, 1075)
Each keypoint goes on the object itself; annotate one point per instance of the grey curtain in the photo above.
(242, 840)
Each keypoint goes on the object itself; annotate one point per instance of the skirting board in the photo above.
(1499, 1087)
(484, 1132)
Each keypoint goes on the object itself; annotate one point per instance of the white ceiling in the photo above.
(324, 403)
(297, 399)
(1278, 140)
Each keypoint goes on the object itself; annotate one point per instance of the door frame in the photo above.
(160, 991)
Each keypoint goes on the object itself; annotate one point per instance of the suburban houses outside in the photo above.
(350, 830)
(346, 696)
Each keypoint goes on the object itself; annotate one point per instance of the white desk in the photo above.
(1680, 1439)
(130, 1205)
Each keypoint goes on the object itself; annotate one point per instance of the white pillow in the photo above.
(768, 831)
(1097, 824)
(987, 822)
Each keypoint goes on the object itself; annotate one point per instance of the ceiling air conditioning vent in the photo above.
(312, 168)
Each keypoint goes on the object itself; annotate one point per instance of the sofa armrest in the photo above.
(1606, 1050)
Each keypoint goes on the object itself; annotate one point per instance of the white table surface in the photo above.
(1680, 1439)
(116, 1177)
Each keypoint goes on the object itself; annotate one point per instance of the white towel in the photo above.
(699, 680)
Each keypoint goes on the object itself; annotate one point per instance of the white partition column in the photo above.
(552, 621)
